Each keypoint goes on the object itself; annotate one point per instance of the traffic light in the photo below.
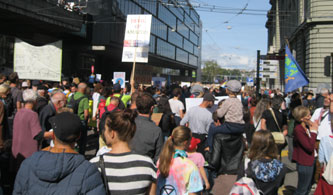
(327, 66)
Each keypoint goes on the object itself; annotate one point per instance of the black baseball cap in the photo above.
(209, 97)
(66, 127)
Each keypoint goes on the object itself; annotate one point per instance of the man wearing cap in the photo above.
(199, 119)
(59, 169)
(232, 111)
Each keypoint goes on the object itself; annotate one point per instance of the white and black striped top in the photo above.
(128, 173)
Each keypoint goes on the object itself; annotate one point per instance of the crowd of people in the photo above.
(44, 125)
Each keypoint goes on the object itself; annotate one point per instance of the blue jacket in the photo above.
(58, 173)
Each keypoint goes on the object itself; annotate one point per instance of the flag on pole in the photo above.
(294, 76)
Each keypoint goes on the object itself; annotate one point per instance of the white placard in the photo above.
(137, 37)
(191, 102)
(182, 84)
(98, 77)
(119, 77)
(38, 62)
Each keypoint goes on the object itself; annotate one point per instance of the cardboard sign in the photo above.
(119, 77)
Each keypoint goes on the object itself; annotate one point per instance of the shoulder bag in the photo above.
(278, 136)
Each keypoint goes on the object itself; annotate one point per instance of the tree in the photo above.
(210, 70)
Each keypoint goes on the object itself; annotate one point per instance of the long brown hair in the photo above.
(179, 135)
(263, 146)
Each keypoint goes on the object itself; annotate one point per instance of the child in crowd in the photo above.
(264, 167)
(232, 111)
(198, 159)
(176, 173)
(305, 135)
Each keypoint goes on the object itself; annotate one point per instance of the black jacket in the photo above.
(226, 154)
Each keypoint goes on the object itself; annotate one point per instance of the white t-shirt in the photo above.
(324, 128)
(176, 106)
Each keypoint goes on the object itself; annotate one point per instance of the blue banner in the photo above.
(294, 76)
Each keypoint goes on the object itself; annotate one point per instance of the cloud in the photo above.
(229, 60)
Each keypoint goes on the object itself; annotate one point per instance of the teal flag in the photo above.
(294, 76)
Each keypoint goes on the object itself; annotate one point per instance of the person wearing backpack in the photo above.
(123, 97)
(177, 174)
(79, 102)
(264, 168)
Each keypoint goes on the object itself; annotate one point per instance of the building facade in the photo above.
(308, 27)
(175, 42)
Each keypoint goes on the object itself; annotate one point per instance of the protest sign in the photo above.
(38, 62)
(119, 77)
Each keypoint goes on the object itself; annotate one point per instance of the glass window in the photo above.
(189, 22)
(166, 16)
(179, 12)
(165, 49)
(194, 38)
(158, 28)
(188, 46)
(152, 44)
(193, 60)
(148, 5)
(195, 16)
(196, 51)
(182, 29)
(182, 56)
(197, 29)
(175, 38)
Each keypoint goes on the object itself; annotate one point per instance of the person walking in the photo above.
(124, 171)
(176, 173)
(59, 169)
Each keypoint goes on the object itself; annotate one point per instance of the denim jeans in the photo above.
(226, 128)
(305, 175)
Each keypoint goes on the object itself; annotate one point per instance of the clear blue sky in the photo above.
(233, 40)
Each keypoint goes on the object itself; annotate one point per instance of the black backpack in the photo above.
(121, 104)
(74, 104)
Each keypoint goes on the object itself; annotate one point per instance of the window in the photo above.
(182, 55)
(189, 22)
(194, 15)
(194, 38)
(165, 49)
(188, 46)
(175, 38)
(152, 44)
(166, 16)
(158, 28)
(148, 5)
(193, 60)
(182, 29)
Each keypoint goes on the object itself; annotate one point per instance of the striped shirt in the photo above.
(128, 173)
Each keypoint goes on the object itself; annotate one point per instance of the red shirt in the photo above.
(304, 146)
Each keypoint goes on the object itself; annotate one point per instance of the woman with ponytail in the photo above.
(176, 173)
(124, 171)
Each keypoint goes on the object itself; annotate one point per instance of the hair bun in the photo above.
(129, 114)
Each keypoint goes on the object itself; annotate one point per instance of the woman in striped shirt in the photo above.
(124, 171)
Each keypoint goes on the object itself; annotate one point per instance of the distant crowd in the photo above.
(149, 142)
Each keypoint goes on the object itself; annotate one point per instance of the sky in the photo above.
(230, 39)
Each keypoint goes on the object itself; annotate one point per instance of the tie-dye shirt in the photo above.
(184, 178)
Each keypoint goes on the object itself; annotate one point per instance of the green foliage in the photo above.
(212, 71)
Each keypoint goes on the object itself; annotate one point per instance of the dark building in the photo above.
(175, 43)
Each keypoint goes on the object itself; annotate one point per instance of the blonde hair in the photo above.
(179, 135)
(300, 112)
(4, 88)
